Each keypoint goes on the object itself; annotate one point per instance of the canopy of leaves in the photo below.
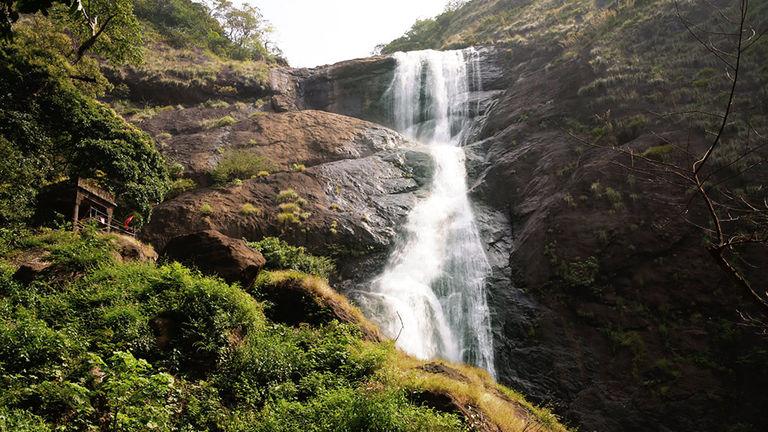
(281, 255)
(53, 131)
(425, 33)
(183, 23)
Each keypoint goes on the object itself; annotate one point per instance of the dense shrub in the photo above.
(189, 24)
(52, 130)
(346, 409)
(281, 255)
(140, 347)
(179, 186)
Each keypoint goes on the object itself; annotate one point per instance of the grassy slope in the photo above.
(94, 341)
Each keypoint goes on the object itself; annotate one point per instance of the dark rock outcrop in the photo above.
(214, 253)
(295, 299)
(355, 88)
(187, 77)
(612, 352)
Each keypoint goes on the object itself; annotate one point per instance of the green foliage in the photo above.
(288, 195)
(575, 273)
(248, 209)
(291, 209)
(659, 152)
(579, 273)
(345, 409)
(136, 347)
(245, 27)
(183, 23)
(234, 32)
(106, 28)
(61, 132)
(18, 175)
(239, 164)
(137, 398)
(281, 255)
(427, 33)
(179, 186)
(16, 420)
(206, 209)
(219, 122)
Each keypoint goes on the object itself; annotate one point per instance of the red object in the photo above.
(128, 221)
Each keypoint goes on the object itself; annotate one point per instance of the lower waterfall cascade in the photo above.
(431, 296)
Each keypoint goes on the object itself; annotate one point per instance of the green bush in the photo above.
(250, 210)
(179, 186)
(49, 129)
(206, 209)
(219, 122)
(138, 347)
(349, 410)
(659, 152)
(16, 420)
(239, 164)
(281, 255)
(579, 273)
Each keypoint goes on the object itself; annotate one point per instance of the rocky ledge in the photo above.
(339, 186)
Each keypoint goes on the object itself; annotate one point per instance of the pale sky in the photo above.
(317, 32)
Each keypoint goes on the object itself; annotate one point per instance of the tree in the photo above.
(244, 26)
(107, 27)
(53, 131)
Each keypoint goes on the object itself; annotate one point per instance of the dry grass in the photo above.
(187, 64)
(325, 295)
(476, 388)
(504, 407)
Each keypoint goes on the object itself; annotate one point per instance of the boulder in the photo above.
(130, 249)
(296, 298)
(30, 270)
(214, 253)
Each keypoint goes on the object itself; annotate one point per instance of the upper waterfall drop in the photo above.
(432, 291)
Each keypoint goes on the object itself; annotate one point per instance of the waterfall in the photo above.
(432, 292)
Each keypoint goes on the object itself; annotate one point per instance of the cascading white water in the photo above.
(432, 292)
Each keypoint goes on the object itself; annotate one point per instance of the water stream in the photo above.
(432, 291)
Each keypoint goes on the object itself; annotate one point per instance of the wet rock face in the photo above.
(359, 180)
(356, 88)
(597, 349)
(355, 207)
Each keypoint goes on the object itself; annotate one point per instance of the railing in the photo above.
(101, 219)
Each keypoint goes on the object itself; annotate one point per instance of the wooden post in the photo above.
(76, 211)
(110, 212)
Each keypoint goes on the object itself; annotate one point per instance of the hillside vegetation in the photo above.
(95, 342)
(52, 125)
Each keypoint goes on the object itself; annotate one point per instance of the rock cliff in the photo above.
(604, 304)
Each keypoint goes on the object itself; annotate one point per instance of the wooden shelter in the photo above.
(81, 201)
(92, 204)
